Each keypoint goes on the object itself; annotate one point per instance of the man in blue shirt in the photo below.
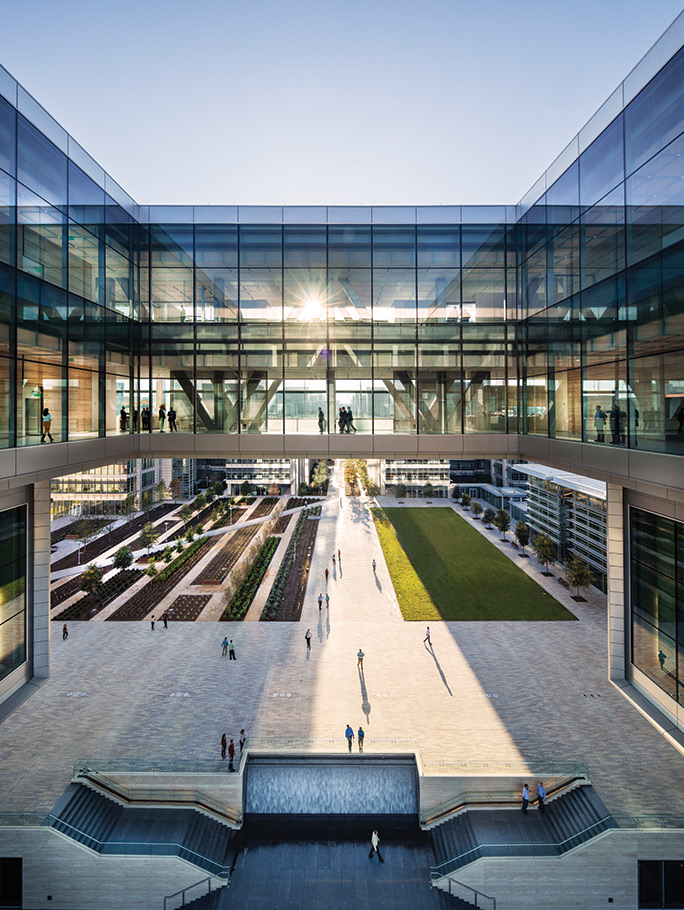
(525, 798)
(541, 796)
(360, 735)
(349, 733)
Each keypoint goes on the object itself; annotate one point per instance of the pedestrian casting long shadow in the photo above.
(365, 704)
(378, 584)
(431, 651)
(320, 627)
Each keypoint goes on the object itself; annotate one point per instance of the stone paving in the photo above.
(485, 691)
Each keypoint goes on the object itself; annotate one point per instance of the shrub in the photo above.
(502, 522)
(91, 579)
(400, 490)
(476, 509)
(123, 558)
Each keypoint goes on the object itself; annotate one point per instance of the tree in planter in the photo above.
(190, 535)
(274, 489)
(476, 509)
(578, 574)
(128, 505)
(246, 488)
(160, 490)
(502, 522)
(147, 500)
(303, 489)
(400, 490)
(218, 487)
(185, 513)
(148, 535)
(320, 474)
(428, 490)
(123, 558)
(91, 579)
(151, 570)
(465, 501)
(489, 517)
(175, 488)
(522, 535)
(544, 550)
(199, 503)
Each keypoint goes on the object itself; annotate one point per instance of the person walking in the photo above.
(326, 576)
(359, 658)
(349, 733)
(152, 623)
(360, 736)
(320, 602)
(661, 658)
(65, 632)
(47, 425)
(350, 420)
(339, 556)
(224, 743)
(165, 618)
(243, 739)
(224, 647)
(327, 601)
(321, 420)
(172, 420)
(231, 650)
(341, 418)
(427, 637)
(308, 639)
(375, 846)
(525, 798)
(541, 797)
(162, 416)
(375, 565)
(231, 755)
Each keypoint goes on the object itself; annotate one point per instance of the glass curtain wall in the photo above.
(13, 630)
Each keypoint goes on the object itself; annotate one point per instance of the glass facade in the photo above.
(657, 599)
(13, 625)
(560, 318)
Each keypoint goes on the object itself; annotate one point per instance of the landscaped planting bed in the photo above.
(281, 524)
(188, 607)
(195, 523)
(97, 547)
(65, 591)
(225, 519)
(243, 597)
(216, 571)
(83, 527)
(91, 604)
(285, 601)
(265, 507)
(146, 599)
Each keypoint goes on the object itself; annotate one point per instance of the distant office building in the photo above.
(108, 490)
(571, 510)
(414, 474)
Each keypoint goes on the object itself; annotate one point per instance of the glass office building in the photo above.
(551, 330)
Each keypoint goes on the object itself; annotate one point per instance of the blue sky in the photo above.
(319, 102)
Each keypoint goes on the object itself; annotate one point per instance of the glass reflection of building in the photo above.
(547, 331)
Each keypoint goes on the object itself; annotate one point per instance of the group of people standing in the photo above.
(229, 747)
(616, 419)
(541, 797)
(146, 418)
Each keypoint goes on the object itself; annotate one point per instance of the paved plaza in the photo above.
(485, 692)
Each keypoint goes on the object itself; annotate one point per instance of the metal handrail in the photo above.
(501, 797)
(137, 843)
(529, 849)
(149, 795)
(476, 894)
(204, 881)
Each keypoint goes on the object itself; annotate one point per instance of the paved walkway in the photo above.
(485, 692)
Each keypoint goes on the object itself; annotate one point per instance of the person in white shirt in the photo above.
(375, 846)
(525, 798)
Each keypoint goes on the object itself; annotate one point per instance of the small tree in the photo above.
(123, 558)
(218, 487)
(400, 490)
(302, 489)
(148, 535)
(185, 512)
(246, 488)
(190, 535)
(428, 490)
(489, 517)
(320, 474)
(502, 522)
(175, 488)
(146, 500)
(476, 509)
(160, 490)
(578, 574)
(544, 550)
(465, 501)
(91, 579)
(151, 570)
(522, 535)
(199, 503)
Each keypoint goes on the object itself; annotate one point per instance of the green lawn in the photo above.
(441, 568)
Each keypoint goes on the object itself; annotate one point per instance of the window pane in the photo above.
(602, 165)
(40, 165)
(650, 885)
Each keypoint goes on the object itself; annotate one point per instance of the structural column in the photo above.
(615, 560)
(40, 608)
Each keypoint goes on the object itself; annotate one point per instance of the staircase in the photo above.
(108, 828)
(569, 821)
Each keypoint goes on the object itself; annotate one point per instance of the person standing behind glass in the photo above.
(172, 420)
(350, 420)
(342, 417)
(47, 425)
(600, 418)
(162, 416)
(321, 420)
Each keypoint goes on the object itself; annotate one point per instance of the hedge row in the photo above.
(243, 597)
(178, 561)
